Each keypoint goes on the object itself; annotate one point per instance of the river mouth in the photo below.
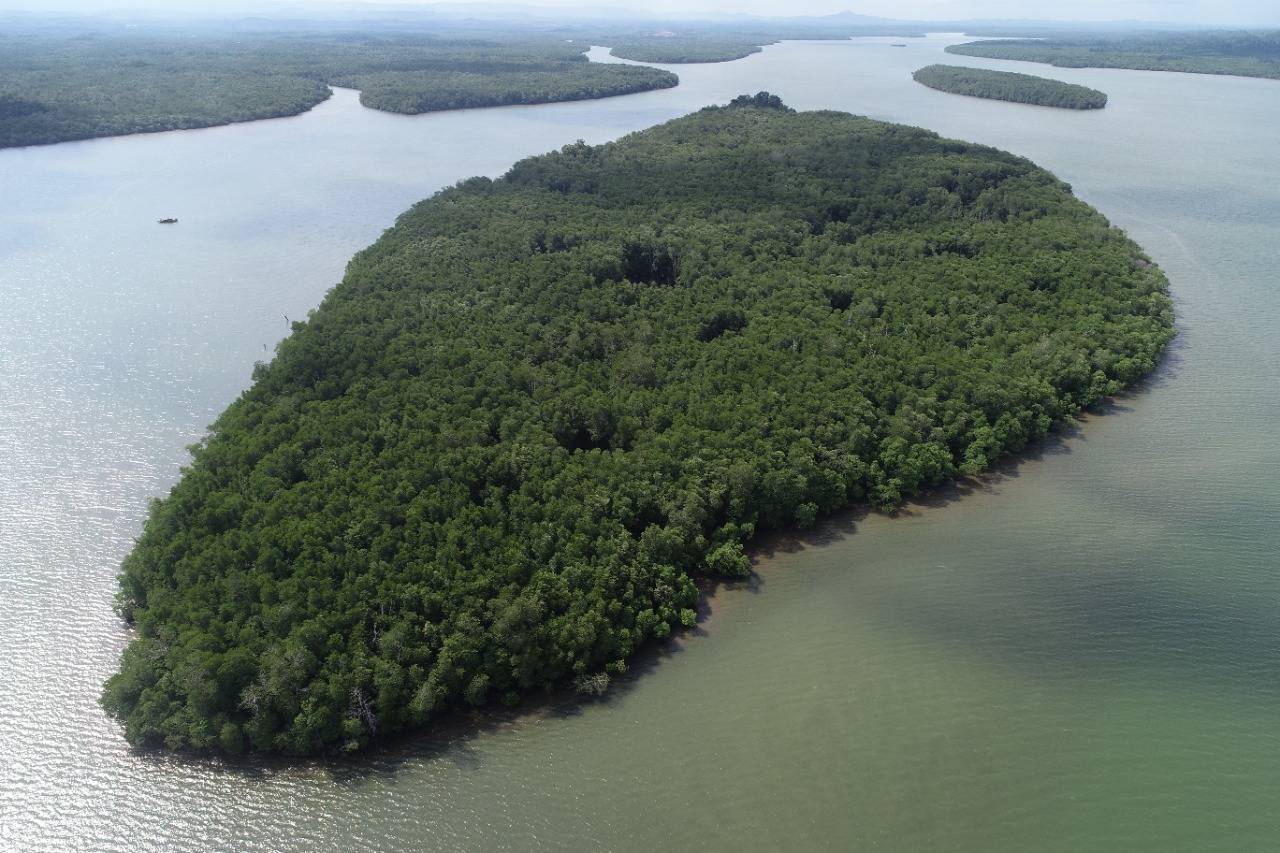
(1082, 657)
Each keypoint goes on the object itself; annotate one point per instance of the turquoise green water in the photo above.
(1082, 653)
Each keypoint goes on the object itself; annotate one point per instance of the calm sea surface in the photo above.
(1084, 654)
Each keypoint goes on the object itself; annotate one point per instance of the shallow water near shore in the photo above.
(1081, 653)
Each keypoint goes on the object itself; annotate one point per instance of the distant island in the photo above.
(495, 458)
(1246, 54)
(1008, 86)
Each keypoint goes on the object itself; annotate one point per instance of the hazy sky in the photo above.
(1206, 11)
(1219, 12)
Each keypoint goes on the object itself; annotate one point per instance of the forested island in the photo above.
(1008, 86)
(495, 458)
(55, 88)
(1246, 54)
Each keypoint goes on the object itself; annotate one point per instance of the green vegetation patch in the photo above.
(1246, 54)
(1007, 86)
(496, 456)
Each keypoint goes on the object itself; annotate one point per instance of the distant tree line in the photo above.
(1007, 86)
(1246, 54)
(708, 43)
(62, 83)
(57, 88)
(495, 458)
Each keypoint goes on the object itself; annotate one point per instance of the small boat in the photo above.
(168, 221)
(897, 45)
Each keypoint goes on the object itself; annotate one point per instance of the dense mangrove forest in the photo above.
(1008, 86)
(496, 457)
(1246, 54)
(56, 87)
